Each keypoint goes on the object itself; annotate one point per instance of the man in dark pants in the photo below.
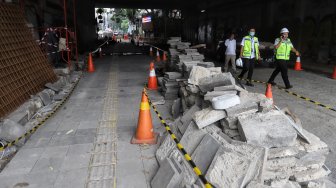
(283, 46)
(249, 52)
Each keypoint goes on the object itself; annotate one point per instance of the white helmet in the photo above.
(284, 30)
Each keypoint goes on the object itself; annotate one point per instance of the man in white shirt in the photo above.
(230, 53)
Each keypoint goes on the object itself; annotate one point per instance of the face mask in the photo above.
(252, 33)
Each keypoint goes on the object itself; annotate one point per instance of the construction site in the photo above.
(167, 94)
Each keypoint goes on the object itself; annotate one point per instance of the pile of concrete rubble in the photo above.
(236, 138)
(40, 105)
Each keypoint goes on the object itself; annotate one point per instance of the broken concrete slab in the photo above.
(192, 88)
(241, 108)
(172, 75)
(211, 94)
(11, 130)
(231, 132)
(210, 82)
(59, 97)
(310, 174)
(225, 101)
(208, 116)
(169, 175)
(197, 73)
(165, 149)
(230, 88)
(316, 143)
(229, 169)
(53, 87)
(265, 105)
(231, 122)
(188, 115)
(281, 164)
(281, 152)
(206, 64)
(285, 184)
(269, 130)
(313, 160)
(192, 137)
(176, 108)
(254, 184)
(45, 97)
(205, 152)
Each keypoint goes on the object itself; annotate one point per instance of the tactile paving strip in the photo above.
(102, 167)
(24, 69)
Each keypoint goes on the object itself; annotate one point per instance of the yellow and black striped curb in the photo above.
(179, 146)
(44, 119)
(298, 96)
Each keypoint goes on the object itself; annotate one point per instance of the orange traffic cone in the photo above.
(164, 58)
(151, 51)
(333, 76)
(297, 65)
(158, 55)
(152, 80)
(144, 133)
(269, 91)
(90, 63)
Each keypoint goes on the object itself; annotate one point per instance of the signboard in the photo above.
(147, 24)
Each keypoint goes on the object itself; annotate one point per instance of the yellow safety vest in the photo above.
(283, 52)
(247, 50)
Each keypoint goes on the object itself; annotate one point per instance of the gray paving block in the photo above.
(165, 149)
(45, 97)
(208, 116)
(205, 152)
(75, 162)
(229, 169)
(241, 108)
(48, 164)
(210, 82)
(169, 175)
(72, 178)
(88, 124)
(271, 129)
(192, 137)
(54, 87)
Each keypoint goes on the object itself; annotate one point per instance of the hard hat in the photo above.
(239, 62)
(284, 30)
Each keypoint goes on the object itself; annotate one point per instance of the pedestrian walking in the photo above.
(230, 53)
(283, 46)
(249, 52)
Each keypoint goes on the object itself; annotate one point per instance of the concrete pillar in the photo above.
(86, 27)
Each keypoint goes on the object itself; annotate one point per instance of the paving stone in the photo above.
(192, 137)
(45, 97)
(282, 152)
(197, 73)
(165, 149)
(230, 88)
(254, 184)
(311, 174)
(285, 184)
(211, 94)
(53, 87)
(169, 175)
(229, 169)
(231, 132)
(241, 108)
(205, 152)
(281, 164)
(188, 115)
(225, 101)
(208, 116)
(208, 83)
(176, 108)
(316, 143)
(271, 129)
(313, 160)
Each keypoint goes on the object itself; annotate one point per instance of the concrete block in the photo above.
(183, 127)
(53, 87)
(206, 64)
(231, 122)
(231, 132)
(173, 75)
(282, 152)
(197, 73)
(320, 183)
(230, 88)
(241, 108)
(281, 164)
(213, 128)
(254, 184)
(188, 116)
(310, 174)
(265, 105)
(176, 108)
(165, 149)
(169, 175)
(192, 88)
(210, 82)
(313, 160)
(59, 97)
(45, 97)
(225, 101)
(189, 176)
(285, 184)
(211, 94)
(11, 130)
(205, 152)
(208, 116)
(229, 169)
(316, 143)
(271, 129)
(192, 137)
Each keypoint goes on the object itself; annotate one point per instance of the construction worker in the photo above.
(249, 52)
(230, 53)
(283, 46)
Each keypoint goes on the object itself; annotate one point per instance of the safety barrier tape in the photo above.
(156, 47)
(100, 46)
(298, 96)
(40, 123)
(179, 145)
